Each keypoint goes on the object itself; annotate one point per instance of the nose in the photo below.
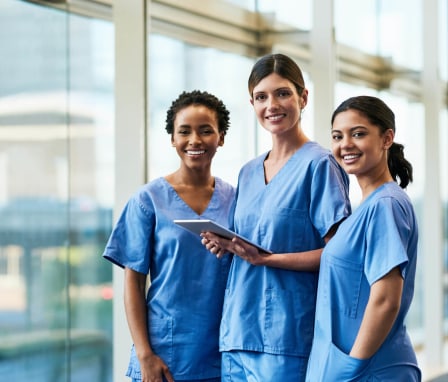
(345, 142)
(195, 138)
(272, 103)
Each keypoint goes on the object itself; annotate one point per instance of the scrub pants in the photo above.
(189, 380)
(247, 366)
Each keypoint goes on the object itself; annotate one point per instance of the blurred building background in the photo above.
(84, 89)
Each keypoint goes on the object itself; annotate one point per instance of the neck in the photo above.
(369, 184)
(192, 178)
(285, 146)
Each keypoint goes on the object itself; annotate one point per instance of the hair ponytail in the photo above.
(399, 167)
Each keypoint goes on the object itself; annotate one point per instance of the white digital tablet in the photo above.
(202, 225)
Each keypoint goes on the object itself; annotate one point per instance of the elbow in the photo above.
(389, 307)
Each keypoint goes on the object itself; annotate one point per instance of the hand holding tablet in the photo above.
(203, 225)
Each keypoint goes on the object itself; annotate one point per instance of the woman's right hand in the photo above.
(216, 244)
(153, 369)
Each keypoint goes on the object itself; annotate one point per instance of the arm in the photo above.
(296, 261)
(152, 367)
(380, 314)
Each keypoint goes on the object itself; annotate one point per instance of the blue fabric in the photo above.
(243, 366)
(269, 309)
(186, 293)
(380, 235)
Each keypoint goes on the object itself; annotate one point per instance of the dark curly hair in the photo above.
(197, 97)
(380, 115)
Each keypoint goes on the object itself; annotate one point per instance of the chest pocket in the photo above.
(342, 285)
(288, 228)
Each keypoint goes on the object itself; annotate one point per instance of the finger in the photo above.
(168, 376)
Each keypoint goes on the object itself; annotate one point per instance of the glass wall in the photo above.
(443, 131)
(57, 144)
(56, 195)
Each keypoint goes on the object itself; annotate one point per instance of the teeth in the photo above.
(199, 152)
(275, 117)
(352, 156)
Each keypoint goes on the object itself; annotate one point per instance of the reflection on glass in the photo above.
(56, 177)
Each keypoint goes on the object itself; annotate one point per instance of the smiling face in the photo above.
(277, 104)
(359, 146)
(196, 135)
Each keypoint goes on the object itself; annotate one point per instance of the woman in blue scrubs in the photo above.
(175, 328)
(367, 271)
(289, 200)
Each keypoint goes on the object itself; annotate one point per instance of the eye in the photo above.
(336, 137)
(182, 131)
(358, 134)
(284, 93)
(260, 97)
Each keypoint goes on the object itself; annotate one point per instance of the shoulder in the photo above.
(321, 160)
(313, 153)
(224, 187)
(252, 166)
(145, 195)
(255, 161)
(390, 199)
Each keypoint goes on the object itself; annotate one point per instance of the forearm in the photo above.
(136, 312)
(374, 329)
(152, 367)
(300, 261)
(380, 314)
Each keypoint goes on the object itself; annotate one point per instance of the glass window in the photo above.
(294, 13)
(248, 4)
(444, 191)
(380, 27)
(356, 24)
(56, 194)
(443, 40)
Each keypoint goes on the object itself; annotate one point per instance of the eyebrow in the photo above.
(275, 90)
(186, 126)
(352, 128)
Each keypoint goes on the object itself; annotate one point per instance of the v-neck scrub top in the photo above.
(269, 309)
(185, 298)
(381, 234)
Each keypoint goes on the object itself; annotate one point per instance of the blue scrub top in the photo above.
(270, 309)
(381, 234)
(186, 294)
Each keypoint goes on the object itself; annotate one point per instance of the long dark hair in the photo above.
(379, 114)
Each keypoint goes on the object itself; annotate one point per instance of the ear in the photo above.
(221, 139)
(172, 141)
(388, 138)
(251, 101)
(303, 98)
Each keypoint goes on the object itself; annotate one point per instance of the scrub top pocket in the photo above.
(342, 285)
